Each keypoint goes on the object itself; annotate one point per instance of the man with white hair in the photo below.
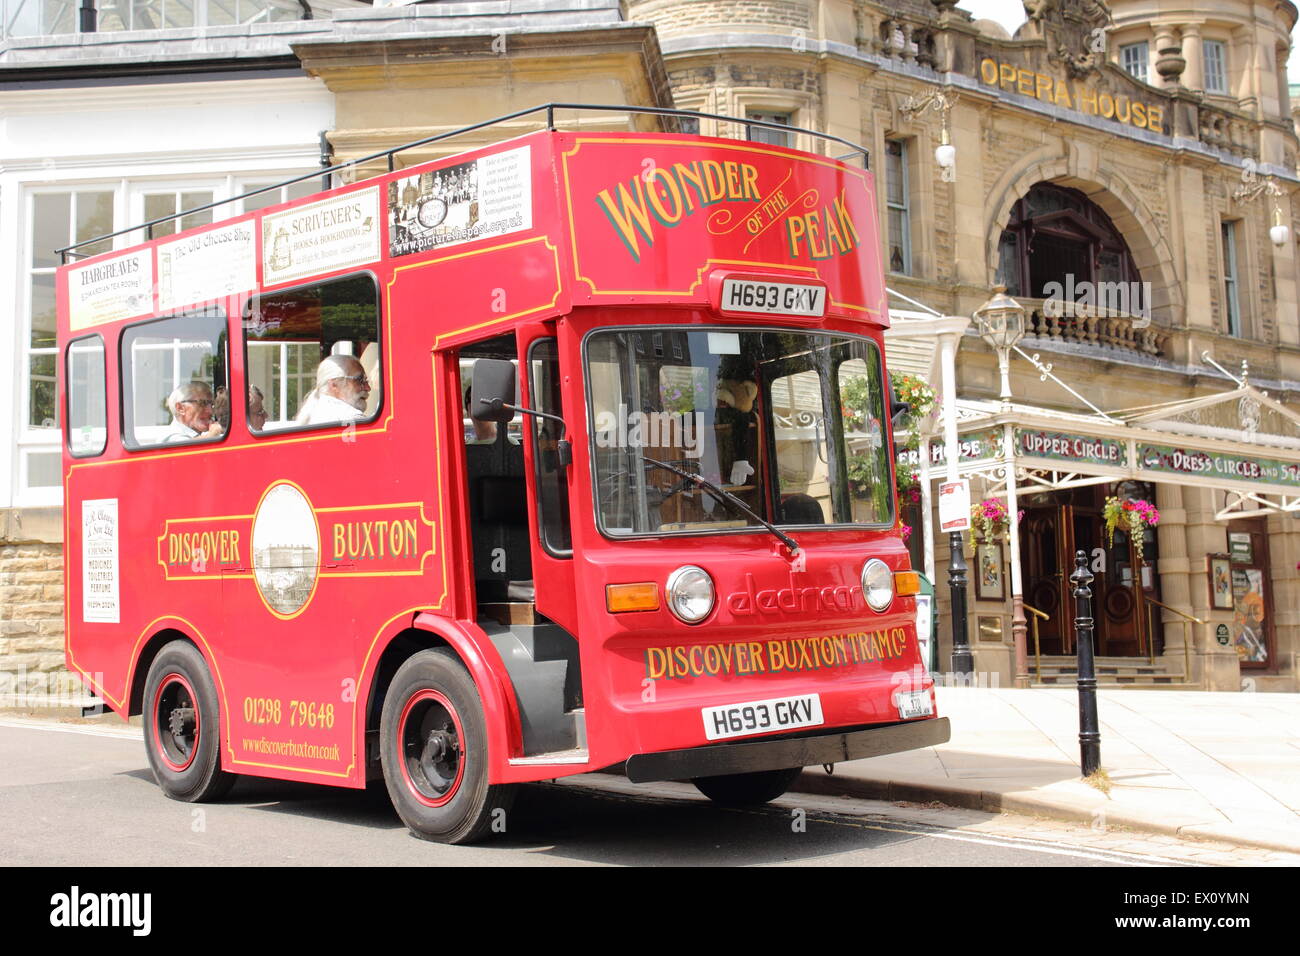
(191, 406)
(340, 394)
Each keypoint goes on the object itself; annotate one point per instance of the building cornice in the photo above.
(710, 45)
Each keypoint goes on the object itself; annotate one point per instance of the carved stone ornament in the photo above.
(1075, 31)
(1248, 409)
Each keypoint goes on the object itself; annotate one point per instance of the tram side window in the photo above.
(87, 416)
(862, 394)
(552, 486)
(313, 355)
(172, 372)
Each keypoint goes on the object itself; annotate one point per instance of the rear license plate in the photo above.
(762, 716)
(915, 704)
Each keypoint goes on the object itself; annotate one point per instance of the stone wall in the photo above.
(673, 17)
(32, 673)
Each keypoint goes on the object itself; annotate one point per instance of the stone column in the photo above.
(1189, 532)
(1284, 576)
(1193, 53)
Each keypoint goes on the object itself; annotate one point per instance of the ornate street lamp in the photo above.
(1001, 322)
(941, 101)
(1253, 187)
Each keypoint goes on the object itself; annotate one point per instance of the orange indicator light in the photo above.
(632, 597)
(907, 582)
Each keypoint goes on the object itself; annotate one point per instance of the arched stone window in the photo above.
(1055, 234)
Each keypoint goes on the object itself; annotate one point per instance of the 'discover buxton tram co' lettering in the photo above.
(773, 657)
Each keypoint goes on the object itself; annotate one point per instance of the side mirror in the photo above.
(897, 409)
(491, 389)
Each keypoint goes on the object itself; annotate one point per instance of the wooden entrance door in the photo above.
(1050, 536)
(1044, 539)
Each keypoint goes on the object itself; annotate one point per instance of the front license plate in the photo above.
(773, 298)
(762, 716)
(915, 704)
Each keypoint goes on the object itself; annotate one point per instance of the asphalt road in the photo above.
(72, 796)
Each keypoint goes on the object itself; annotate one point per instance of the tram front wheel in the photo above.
(747, 789)
(182, 730)
(433, 741)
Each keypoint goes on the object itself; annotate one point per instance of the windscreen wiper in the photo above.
(727, 498)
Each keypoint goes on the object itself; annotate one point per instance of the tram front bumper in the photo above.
(782, 752)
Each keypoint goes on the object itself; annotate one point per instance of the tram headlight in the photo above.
(877, 584)
(690, 593)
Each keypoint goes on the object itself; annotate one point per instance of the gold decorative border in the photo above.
(578, 275)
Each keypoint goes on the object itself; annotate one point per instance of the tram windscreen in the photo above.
(792, 423)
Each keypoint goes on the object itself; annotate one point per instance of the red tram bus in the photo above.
(564, 453)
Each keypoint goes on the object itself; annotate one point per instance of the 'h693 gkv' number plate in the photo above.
(762, 716)
(775, 298)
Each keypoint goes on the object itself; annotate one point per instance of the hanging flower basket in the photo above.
(916, 393)
(1132, 515)
(990, 522)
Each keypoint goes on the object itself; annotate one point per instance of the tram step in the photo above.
(557, 758)
(580, 726)
(542, 662)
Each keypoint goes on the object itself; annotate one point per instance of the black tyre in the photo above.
(182, 726)
(433, 745)
(747, 789)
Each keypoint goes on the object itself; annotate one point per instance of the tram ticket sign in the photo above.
(954, 506)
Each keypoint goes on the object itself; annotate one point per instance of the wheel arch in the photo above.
(144, 660)
(479, 657)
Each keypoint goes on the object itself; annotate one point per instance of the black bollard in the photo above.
(1089, 733)
(963, 661)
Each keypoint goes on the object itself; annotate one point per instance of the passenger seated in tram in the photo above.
(342, 387)
(191, 405)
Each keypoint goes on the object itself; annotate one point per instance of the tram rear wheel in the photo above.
(182, 729)
(433, 744)
(747, 789)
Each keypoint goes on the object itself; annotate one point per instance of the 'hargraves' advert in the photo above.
(109, 290)
(211, 265)
(99, 565)
(491, 196)
(321, 237)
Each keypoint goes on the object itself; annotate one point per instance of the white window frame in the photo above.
(1135, 59)
(35, 439)
(142, 188)
(1216, 79)
(905, 208)
(304, 380)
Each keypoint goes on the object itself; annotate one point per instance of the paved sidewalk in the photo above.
(1223, 766)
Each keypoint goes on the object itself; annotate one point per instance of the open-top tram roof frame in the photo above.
(69, 253)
